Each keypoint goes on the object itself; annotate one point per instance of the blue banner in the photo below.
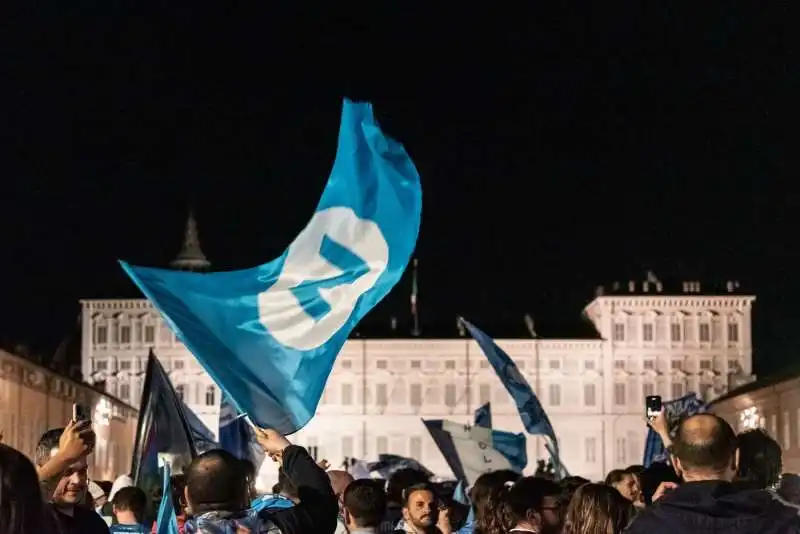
(674, 410)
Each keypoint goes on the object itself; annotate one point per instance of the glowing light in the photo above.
(749, 418)
(102, 412)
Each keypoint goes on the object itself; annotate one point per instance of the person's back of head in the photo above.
(760, 459)
(215, 481)
(597, 509)
(130, 505)
(704, 448)
(401, 480)
(569, 486)
(535, 502)
(21, 507)
(364, 504)
(488, 497)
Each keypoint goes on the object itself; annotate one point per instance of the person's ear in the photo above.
(187, 499)
(676, 465)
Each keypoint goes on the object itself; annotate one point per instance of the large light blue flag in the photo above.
(237, 436)
(471, 451)
(533, 416)
(269, 335)
(674, 410)
(483, 416)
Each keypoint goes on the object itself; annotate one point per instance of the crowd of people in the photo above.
(715, 481)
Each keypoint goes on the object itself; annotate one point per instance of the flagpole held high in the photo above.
(414, 292)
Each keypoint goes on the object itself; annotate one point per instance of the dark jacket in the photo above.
(714, 507)
(318, 508)
(81, 521)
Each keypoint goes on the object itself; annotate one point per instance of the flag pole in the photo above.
(414, 291)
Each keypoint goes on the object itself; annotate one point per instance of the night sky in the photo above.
(560, 148)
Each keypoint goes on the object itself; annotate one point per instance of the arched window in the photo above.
(211, 396)
(180, 391)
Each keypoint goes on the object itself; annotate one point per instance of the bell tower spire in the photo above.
(191, 257)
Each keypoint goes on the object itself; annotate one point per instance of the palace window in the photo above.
(555, 394)
(705, 333)
(675, 331)
(589, 395)
(382, 394)
(590, 448)
(416, 395)
(101, 336)
(180, 391)
(619, 395)
(647, 332)
(733, 332)
(619, 332)
(347, 394)
(211, 396)
(125, 334)
(124, 392)
(450, 395)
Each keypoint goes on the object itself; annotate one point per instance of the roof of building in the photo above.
(505, 328)
(650, 284)
(768, 381)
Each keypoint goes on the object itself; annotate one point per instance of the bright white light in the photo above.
(749, 418)
(102, 412)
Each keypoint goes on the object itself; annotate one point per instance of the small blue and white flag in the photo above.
(533, 416)
(674, 410)
(201, 434)
(471, 451)
(269, 335)
(483, 416)
(237, 436)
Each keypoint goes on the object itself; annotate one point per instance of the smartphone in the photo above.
(653, 406)
(81, 413)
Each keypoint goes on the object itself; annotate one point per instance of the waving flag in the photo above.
(269, 335)
(201, 435)
(237, 436)
(162, 427)
(483, 416)
(530, 409)
(674, 410)
(471, 451)
(387, 464)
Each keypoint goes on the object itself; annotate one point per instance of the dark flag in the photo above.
(162, 430)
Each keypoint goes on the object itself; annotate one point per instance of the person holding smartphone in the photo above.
(61, 458)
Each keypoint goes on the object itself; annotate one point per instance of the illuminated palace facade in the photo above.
(651, 338)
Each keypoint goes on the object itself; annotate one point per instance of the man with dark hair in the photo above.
(60, 458)
(704, 454)
(364, 505)
(535, 505)
(399, 481)
(760, 460)
(130, 505)
(217, 493)
(420, 510)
